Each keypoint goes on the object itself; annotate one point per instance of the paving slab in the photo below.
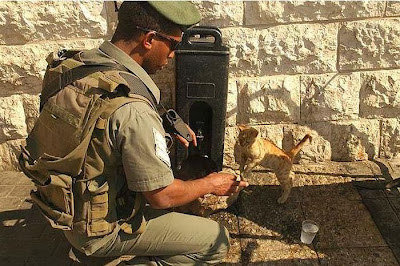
(354, 169)
(234, 256)
(396, 251)
(342, 224)
(260, 214)
(259, 251)
(358, 226)
(358, 256)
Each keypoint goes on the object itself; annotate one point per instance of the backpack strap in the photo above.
(135, 85)
(69, 77)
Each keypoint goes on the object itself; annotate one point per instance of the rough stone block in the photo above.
(111, 16)
(390, 139)
(22, 67)
(284, 49)
(379, 94)
(369, 44)
(232, 103)
(9, 151)
(318, 150)
(330, 97)
(221, 13)
(24, 22)
(31, 108)
(272, 12)
(392, 8)
(12, 118)
(269, 100)
(355, 140)
(273, 133)
(231, 134)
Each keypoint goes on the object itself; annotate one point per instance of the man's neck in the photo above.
(130, 48)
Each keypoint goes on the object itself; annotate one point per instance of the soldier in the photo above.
(126, 162)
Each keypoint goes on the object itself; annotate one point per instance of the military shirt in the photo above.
(136, 135)
(135, 129)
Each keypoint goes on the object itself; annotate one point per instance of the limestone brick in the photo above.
(316, 150)
(271, 12)
(220, 13)
(355, 140)
(231, 103)
(320, 148)
(28, 21)
(9, 152)
(371, 44)
(330, 97)
(284, 49)
(231, 134)
(111, 16)
(22, 67)
(393, 8)
(380, 94)
(31, 108)
(273, 133)
(12, 118)
(269, 100)
(390, 138)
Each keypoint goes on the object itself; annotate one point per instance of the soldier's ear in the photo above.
(147, 41)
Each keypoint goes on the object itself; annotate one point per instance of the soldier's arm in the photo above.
(181, 192)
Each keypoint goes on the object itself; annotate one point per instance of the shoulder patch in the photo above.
(161, 147)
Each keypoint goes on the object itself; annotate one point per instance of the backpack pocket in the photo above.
(55, 200)
(98, 208)
(54, 195)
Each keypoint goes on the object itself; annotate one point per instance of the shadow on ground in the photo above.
(26, 238)
(263, 232)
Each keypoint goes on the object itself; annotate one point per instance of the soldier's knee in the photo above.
(221, 247)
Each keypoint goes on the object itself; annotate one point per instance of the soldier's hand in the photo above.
(225, 184)
(184, 141)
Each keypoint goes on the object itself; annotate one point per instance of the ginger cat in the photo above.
(258, 151)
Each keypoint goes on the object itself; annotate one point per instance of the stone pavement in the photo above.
(358, 218)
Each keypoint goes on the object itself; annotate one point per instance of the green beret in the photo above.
(182, 13)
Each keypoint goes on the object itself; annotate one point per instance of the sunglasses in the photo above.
(173, 43)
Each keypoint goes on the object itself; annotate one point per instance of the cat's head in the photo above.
(247, 135)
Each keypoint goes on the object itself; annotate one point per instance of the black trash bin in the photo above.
(201, 91)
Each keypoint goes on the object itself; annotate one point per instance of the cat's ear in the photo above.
(253, 132)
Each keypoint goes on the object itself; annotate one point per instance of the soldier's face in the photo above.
(163, 47)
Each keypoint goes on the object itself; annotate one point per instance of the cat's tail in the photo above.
(298, 147)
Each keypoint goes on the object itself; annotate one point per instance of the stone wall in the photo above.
(328, 68)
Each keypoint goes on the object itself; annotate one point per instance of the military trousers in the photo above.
(171, 238)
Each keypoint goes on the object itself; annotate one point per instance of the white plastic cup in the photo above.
(309, 229)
